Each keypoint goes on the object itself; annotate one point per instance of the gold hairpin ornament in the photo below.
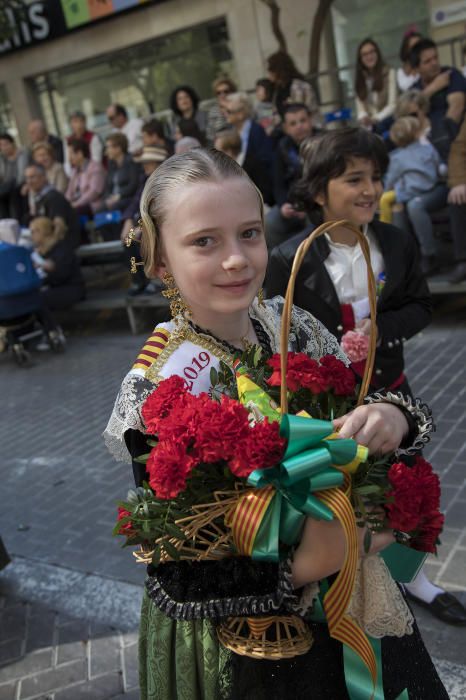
(134, 265)
(131, 238)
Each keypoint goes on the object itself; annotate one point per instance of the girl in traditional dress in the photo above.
(203, 234)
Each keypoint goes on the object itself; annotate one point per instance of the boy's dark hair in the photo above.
(326, 157)
(119, 109)
(6, 137)
(154, 126)
(295, 107)
(190, 91)
(416, 51)
(81, 146)
(268, 87)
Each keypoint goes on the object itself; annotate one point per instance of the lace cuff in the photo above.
(214, 590)
(377, 604)
(419, 416)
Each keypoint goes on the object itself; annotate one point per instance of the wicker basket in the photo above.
(281, 637)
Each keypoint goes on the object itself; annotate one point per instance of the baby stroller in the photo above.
(21, 308)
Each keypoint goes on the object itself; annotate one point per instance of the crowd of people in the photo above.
(417, 111)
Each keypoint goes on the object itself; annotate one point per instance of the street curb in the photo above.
(80, 595)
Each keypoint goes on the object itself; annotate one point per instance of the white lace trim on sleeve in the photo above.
(126, 414)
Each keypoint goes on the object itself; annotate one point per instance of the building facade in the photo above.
(82, 55)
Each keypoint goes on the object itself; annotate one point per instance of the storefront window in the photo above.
(141, 77)
(7, 120)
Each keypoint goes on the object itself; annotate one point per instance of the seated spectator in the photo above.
(87, 181)
(131, 128)
(375, 88)
(406, 75)
(38, 134)
(413, 179)
(446, 89)
(216, 116)
(283, 219)
(153, 134)
(123, 175)
(457, 203)
(80, 131)
(186, 143)
(47, 201)
(188, 128)
(150, 160)
(264, 108)
(56, 264)
(184, 103)
(13, 162)
(289, 85)
(229, 141)
(44, 154)
(257, 147)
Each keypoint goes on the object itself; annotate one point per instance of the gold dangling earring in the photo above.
(260, 297)
(177, 306)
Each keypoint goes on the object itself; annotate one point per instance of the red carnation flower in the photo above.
(127, 528)
(404, 511)
(169, 466)
(263, 447)
(160, 403)
(339, 377)
(220, 428)
(302, 373)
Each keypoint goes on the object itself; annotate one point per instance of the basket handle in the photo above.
(288, 306)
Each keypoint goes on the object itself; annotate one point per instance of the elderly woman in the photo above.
(256, 147)
(123, 175)
(44, 154)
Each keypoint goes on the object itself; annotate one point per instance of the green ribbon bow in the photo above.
(307, 467)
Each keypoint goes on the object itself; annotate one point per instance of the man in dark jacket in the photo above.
(47, 201)
(283, 220)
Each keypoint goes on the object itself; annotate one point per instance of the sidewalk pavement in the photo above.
(69, 600)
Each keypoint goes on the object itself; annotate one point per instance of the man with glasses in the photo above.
(216, 116)
(131, 128)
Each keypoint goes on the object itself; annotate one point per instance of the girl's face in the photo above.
(183, 101)
(368, 55)
(213, 244)
(354, 195)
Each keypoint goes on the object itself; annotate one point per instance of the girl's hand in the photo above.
(379, 426)
(321, 551)
(48, 265)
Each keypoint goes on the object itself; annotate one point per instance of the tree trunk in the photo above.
(317, 30)
(275, 23)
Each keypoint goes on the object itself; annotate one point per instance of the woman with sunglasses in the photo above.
(375, 88)
(216, 116)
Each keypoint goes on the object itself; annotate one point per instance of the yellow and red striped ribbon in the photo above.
(337, 598)
(152, 349)
(247, 516)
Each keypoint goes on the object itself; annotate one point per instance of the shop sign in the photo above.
(50, 19)
(448, 14)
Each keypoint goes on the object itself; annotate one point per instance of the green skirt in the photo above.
(179, 660)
